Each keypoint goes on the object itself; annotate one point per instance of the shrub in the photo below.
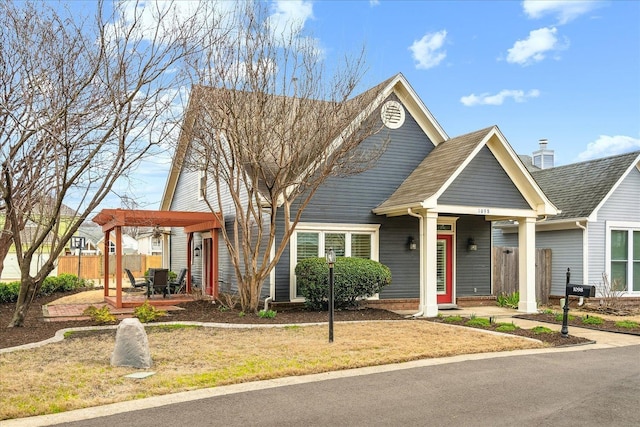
(510, 300)
(50, 285)
(355, 278)
(147, 313)
(100, 315)
(9, 291)
(541, 330)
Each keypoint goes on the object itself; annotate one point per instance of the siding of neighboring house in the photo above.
(483, 183)
(567, 252)
(350, 200)
(473, 273)
(623, 205)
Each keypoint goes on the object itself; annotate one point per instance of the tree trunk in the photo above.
(25, 297)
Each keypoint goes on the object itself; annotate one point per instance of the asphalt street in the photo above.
(578, 388)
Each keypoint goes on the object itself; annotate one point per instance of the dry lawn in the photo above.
(76, 373)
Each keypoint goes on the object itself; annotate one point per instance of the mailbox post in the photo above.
(576, 290)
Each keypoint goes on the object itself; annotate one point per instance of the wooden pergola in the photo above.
(191, 222)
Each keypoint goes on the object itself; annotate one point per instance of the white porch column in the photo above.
(429, 273)
(527, 265)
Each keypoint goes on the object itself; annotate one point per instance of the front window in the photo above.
(624, 259)
(313, 240)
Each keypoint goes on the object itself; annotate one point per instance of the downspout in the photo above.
(585, 248)
(421, 233)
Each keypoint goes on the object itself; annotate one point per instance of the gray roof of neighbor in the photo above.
(434, 171)
(577, 189)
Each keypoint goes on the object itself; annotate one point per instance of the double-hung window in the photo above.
(313, 240)
(624, 257)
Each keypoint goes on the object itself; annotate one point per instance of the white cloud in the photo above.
(607, 145)
(535, 47)
(563, 10)
(426, 51)
(499, 98)
(373, 3)
(289, 17)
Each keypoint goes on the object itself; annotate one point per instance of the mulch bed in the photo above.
(36, 329)
(577, 320)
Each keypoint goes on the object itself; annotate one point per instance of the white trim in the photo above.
(630, 227)
(323, 228)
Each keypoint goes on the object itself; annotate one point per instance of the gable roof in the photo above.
(447, 160)
(580, 189)
(378, 93)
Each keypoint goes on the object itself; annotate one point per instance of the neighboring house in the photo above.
(425, 210)
(129, 245)
(598, 229)
(91, 234)
(150, 241)
(11, 270)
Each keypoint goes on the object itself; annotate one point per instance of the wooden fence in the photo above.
(92, 266)
(505, 272)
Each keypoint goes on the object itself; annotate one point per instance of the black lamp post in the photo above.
(330, 255)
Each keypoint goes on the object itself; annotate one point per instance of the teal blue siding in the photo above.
(483, 183)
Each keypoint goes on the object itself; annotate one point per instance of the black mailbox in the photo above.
(581, 290)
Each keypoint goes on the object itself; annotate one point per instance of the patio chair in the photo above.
(135, 283)
(159, 280)
(177, 285)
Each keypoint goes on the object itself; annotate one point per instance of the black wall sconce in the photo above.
(196, 251)
(471, 244)
(412, 244)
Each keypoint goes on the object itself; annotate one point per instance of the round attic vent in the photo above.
(392, 114)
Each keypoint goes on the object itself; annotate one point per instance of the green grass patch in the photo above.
(541, 330)
(627, 324)
(479, 322)
(559, 317)
(452, 319)
(592, 320)
(506, 327)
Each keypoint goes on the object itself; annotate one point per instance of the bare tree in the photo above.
(82, 103)
(269, 127)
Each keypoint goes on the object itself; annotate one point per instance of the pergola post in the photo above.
(106, 262)
(118, 272)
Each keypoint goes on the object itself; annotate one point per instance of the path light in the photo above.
(330, 255)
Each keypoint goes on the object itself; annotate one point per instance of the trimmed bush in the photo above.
(50, 285)
(9, 291)
(355, 278)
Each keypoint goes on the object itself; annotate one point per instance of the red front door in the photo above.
(445, 268)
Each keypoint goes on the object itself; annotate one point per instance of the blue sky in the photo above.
(567, 71)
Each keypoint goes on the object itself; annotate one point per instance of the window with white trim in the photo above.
(624, 259)
(313, 240)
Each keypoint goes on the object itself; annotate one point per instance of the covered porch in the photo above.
(476, 175)
(112, 220)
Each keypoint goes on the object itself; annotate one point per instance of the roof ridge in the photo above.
(591, 161)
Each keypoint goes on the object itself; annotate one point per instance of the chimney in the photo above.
(543, 158)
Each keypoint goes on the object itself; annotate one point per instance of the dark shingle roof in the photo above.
(434, 171)
(577, 189)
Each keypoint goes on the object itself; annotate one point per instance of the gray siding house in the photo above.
(598, 229)
(425, 210)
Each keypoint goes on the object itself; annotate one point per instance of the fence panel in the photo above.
(92, 266)
(505, 272)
